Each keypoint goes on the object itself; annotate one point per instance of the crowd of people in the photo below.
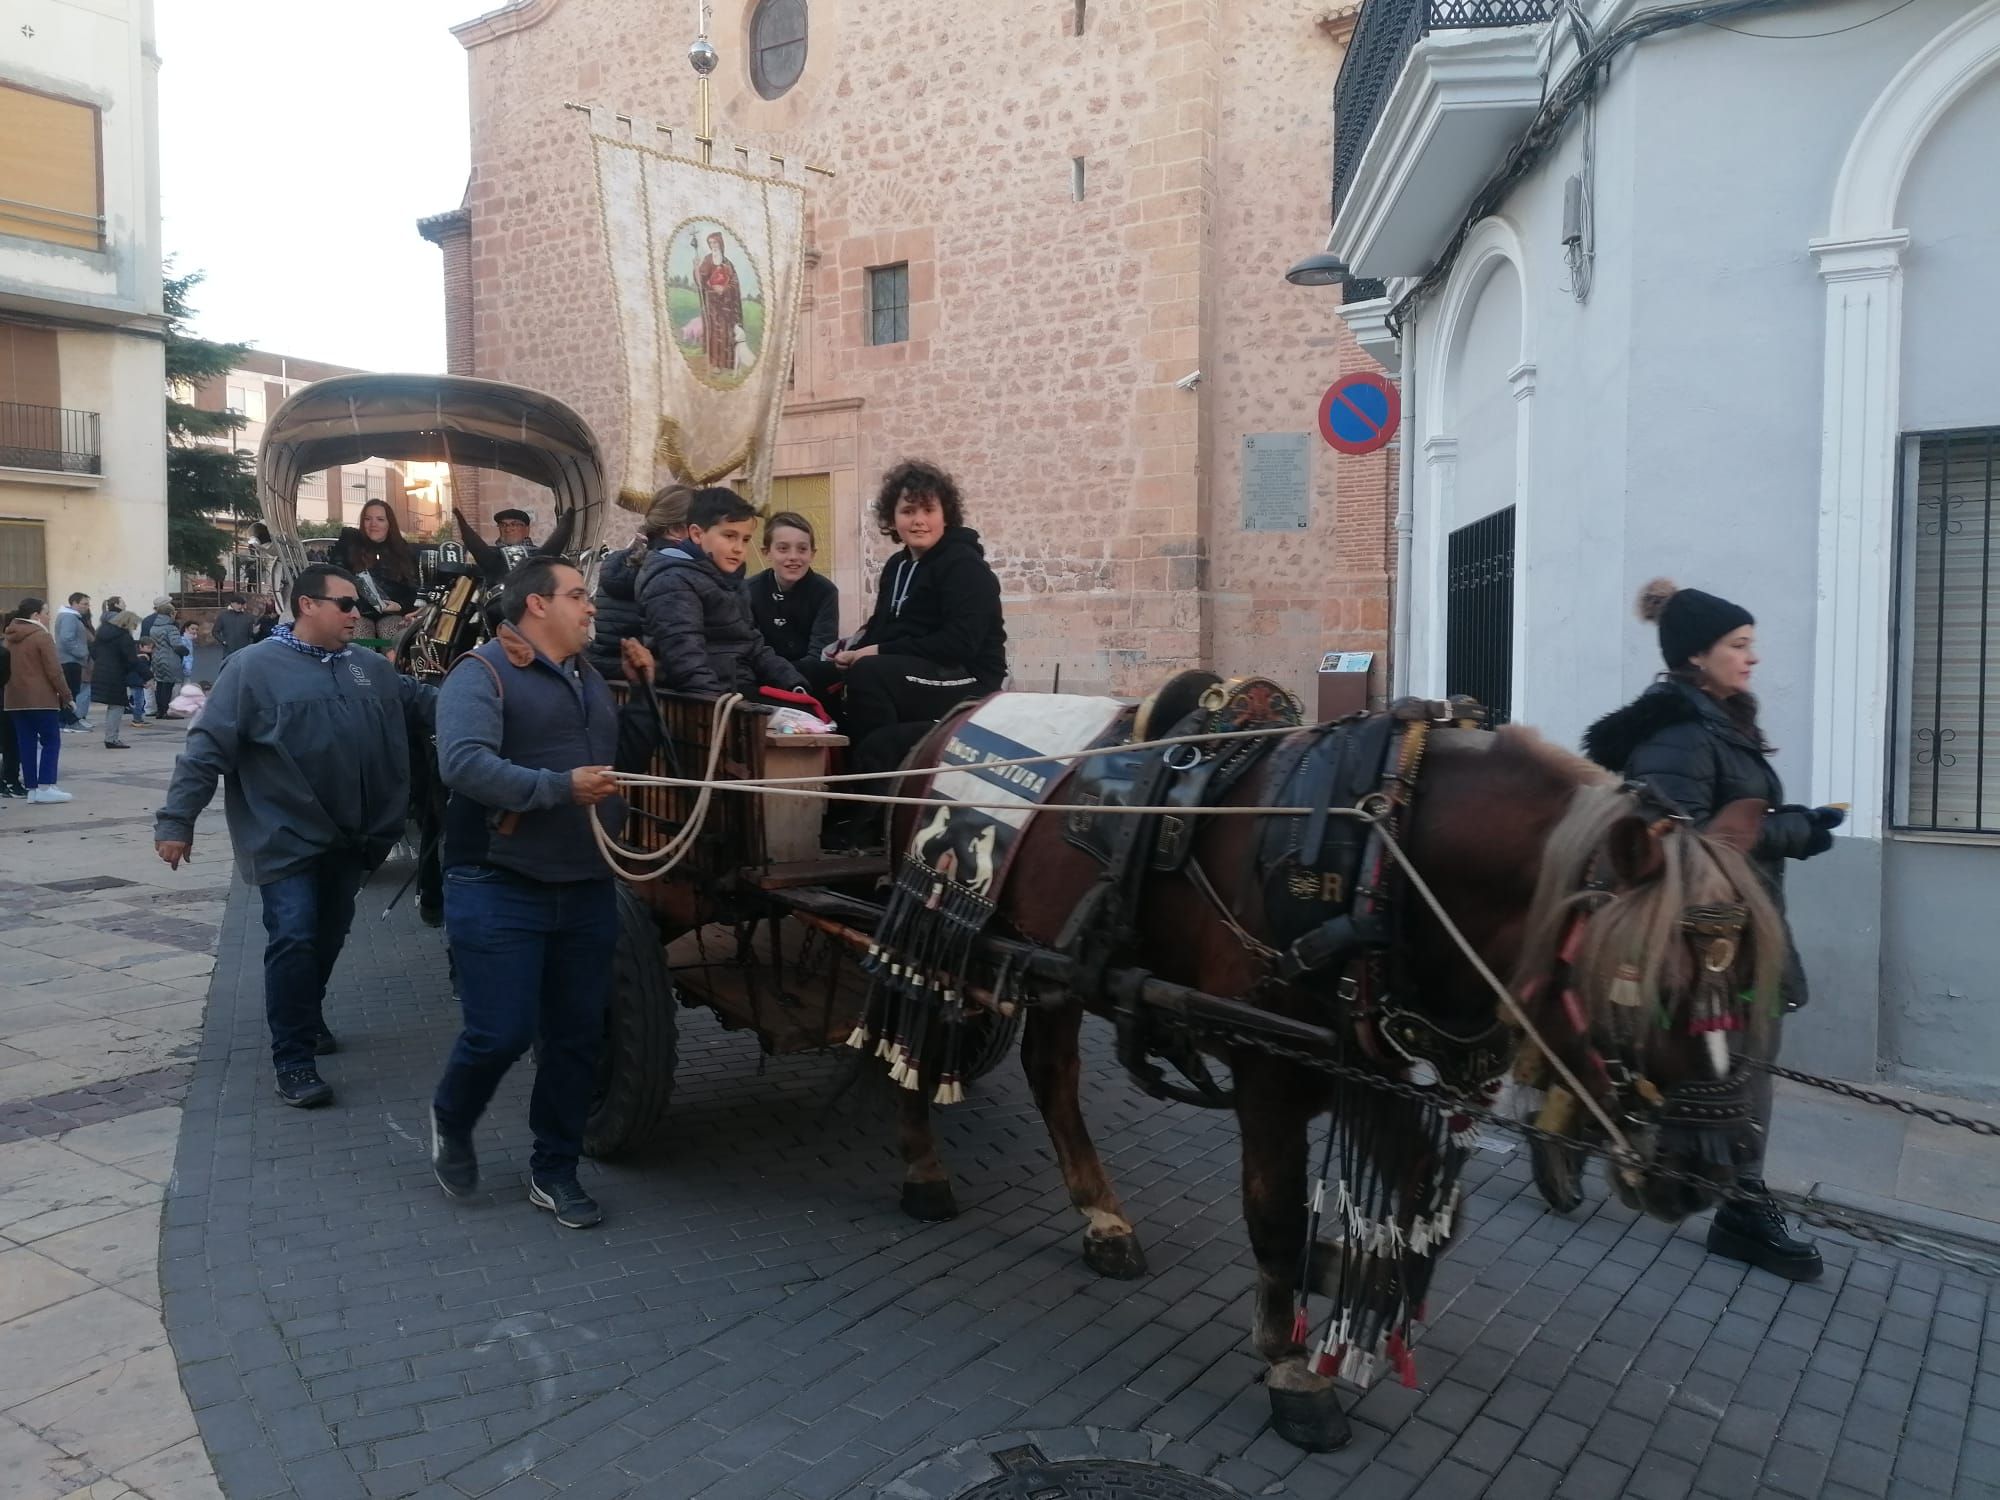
(312, 735)
(55, 667)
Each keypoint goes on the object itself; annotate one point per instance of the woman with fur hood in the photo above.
(1693, 737)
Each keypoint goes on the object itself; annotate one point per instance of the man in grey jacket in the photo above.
(526, 731)
(73, 632)
(313, 733)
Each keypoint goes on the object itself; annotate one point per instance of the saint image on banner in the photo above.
(716, 302)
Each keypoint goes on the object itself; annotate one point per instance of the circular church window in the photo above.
(777, 45)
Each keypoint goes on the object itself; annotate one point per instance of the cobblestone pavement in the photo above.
(756, 1318)
(104, 972)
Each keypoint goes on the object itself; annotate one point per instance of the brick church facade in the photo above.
(1093, 202)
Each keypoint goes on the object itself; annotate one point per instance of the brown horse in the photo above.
(1558, 878)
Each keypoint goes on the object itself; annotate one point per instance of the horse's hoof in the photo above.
(1117, 1256)
(929, 1202)
(1305, 1409)
(1558, 1173)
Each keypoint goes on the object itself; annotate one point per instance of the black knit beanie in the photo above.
(1690, 621)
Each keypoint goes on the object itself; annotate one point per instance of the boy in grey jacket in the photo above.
(699, 627)
(314, 734)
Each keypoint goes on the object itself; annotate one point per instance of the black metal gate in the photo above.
(1479, 613)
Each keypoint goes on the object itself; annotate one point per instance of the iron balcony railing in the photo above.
(1383, 38)
(52, 438)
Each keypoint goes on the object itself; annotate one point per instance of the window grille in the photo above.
(1479, 613)
(1948, 742)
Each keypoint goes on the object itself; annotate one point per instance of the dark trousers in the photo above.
(163, 694)
(38, 731)
(306, 917)
(886, 690)
(73, 675)
(534, 964)
(10, 750)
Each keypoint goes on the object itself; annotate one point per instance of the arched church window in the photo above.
(777, 45)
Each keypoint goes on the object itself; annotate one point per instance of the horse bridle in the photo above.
(1715, 931)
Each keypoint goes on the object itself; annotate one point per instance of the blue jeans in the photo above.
(39, 731)
(534, 962)
(306, 917)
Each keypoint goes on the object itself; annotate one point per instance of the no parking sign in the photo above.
(1358, 413)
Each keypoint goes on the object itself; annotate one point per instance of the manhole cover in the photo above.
(88, 883)
(1026, 1475)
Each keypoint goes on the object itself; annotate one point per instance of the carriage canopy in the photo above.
(454, 419)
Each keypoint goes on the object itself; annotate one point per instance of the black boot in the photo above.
(1751, 1228)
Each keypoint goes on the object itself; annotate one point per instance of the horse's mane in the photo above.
(1639, 929)
(1517, 742)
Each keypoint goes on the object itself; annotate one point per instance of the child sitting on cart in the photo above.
(699, 626)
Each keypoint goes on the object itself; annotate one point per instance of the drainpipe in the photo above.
(1406, 484)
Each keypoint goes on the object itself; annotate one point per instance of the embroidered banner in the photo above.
(707, 266)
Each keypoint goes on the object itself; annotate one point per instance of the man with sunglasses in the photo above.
(314, 734)
(526, 733)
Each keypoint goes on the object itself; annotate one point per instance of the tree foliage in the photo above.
(207, 479)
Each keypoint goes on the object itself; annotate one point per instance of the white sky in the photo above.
(299, 145)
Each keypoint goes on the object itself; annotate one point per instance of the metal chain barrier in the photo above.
(1869, 1096)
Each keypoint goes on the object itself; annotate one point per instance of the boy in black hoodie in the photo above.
(697, 612)
(937, 636)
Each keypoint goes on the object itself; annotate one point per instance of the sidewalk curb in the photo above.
(1961, 1230)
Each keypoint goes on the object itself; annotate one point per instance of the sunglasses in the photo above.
(347, 604)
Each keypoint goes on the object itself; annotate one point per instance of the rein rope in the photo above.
(622, 859)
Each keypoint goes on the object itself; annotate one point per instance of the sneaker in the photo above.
(48, 794)
(1753, 1229)
(303, 1088)
(116, 745)
(561, 1195)
(325, 1043)
(12, 789)
(455, 1162)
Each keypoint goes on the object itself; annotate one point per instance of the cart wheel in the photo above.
(635, 1075)
(989, 1038)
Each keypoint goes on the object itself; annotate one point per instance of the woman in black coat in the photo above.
(1694, 738)
(114, 657)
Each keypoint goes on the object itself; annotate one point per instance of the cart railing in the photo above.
(732, 834)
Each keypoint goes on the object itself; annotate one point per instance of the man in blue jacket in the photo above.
(313, 733)
(526, 733)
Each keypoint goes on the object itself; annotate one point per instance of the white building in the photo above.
(1719, 306)
(82, 383)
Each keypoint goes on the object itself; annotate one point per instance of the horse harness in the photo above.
(1332, 896)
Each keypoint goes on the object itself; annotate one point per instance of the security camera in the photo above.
(1188, 381)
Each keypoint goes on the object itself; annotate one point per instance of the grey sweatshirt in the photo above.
(317, 754)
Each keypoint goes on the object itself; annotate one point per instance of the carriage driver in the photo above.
(526, 730)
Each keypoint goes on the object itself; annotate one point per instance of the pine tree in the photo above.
(205, 479)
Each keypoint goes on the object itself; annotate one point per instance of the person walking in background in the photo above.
(314, 735)
(114, 658)
(72, 631)
(165, 634)
(37, 693)
(267, 621)
(234, 628)
(10, 747)
(525, 735)
(1694, 738)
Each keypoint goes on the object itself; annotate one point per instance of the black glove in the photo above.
(1824, 820)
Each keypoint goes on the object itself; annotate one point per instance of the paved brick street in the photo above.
(756, 1317)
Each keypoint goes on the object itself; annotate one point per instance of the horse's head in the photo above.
(1650, 969)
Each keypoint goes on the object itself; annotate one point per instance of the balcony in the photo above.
(1431, 96)
(49, 439)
